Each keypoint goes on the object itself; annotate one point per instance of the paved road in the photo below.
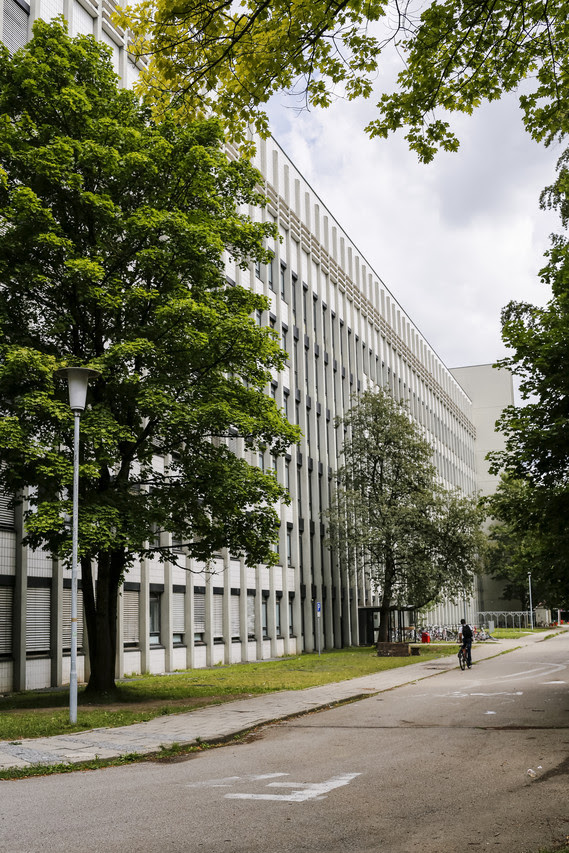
(439, 764)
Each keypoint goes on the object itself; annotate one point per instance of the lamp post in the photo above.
(530, 603)
(77, 381)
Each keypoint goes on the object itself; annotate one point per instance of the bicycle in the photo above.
(463, 657)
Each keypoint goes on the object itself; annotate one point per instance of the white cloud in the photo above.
(454, 240)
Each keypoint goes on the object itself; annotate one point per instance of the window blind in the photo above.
(234, 615)
(38, 619)
(131, 619)
(217, 617)
(16, 19)
(178, 620)
(66, 610)
(6, 612)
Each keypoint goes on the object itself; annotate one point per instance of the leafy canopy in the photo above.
(231, 58)
(529, 535)
(112, 232)
(416, 540)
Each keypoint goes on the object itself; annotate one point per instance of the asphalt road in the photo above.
(440, 765)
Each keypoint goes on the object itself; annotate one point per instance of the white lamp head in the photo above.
(77, 381)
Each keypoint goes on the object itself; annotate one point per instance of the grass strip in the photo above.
(45, 713)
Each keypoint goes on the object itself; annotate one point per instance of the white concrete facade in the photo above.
(490, 390)
(344, 333)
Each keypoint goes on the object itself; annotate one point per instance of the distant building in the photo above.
(344, 333)
(490, 390)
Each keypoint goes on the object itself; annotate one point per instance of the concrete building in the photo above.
(490, 391)
(344, 332)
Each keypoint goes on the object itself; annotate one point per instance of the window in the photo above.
(66, 611)
(290, 619)
(270, 274)
(278, 617)
(154, 541)
(6, 610)
(251, 615)
(234, 617)
(218, 618)
(283, 269)
(293, 288)
(155, 618)
(178, 617)
(283, 339)
(261, 461)
(199, 617)
(264, 618)
(177, 546)
(285, 405)
(258, 269)
(289, 548)
(6, 513)
(38, 620)
(131, 627)
(15, 33)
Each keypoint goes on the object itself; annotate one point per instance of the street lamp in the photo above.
(77, 381)
(530, 603)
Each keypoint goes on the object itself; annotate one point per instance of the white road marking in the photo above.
(302, 790)
(555, 682)
(231, 781)
(499, 693)
(540, 669)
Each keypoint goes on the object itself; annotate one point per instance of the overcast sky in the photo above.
(454, 240)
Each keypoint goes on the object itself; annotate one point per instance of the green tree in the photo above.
(455, 54)
(230, 59)
(529, 535)
(390, 515)
(112, 233)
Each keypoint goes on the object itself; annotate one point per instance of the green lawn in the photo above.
(517, 633)
(40, 714)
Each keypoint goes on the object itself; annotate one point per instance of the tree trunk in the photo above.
(383, 636)
(101, 616)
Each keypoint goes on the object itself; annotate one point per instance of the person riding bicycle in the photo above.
(465, 636)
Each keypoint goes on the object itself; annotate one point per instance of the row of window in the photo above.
(38, 618)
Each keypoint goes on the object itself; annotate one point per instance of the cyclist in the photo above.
(465, 635)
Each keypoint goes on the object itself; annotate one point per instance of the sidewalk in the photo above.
(217, 722)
